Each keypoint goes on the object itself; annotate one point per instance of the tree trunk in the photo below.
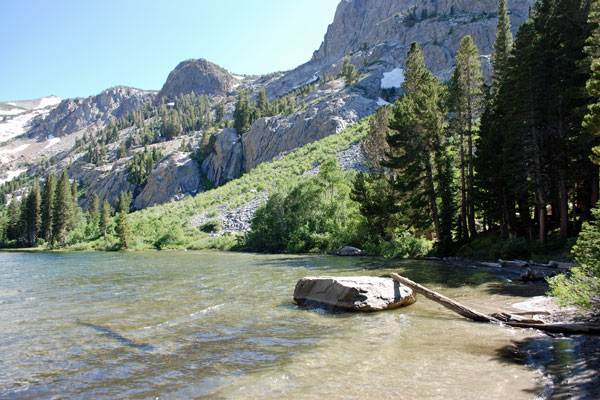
(432, 197)
(463, 190)
(501, 318)
(564, 204)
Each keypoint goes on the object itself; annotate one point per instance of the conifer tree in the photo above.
(122, 229)
(349, 71)
(502, 45)
(241, 115)
(14, 216)
(62, 210)
(418, 125)
(47, 207)
(592, 119)
(471, 78)
(262, 103)
(104, 219)
(33, 214)
(220, 112)
(94, 205)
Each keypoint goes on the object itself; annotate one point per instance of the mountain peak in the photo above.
(199, 76)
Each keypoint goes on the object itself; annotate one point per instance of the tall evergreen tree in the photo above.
(471, 78)
(122, 229)
(47, 207)
(242, 112)
(33, 217)
(62, 210)
(592, 119)
(502, 45)
(418, 126)
(14, 216)
(104, 219)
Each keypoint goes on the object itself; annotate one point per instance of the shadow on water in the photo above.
(112, 334)
(572, 364)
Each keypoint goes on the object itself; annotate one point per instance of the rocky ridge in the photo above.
(72, 115)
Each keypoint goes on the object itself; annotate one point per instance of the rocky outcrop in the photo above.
(359, 293)
(106, 181)
(225, 162)
(271, 137)
(378, 33)
(174, 177)
(198, 76)
(73, 115)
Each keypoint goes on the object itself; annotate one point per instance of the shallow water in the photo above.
(223, 325)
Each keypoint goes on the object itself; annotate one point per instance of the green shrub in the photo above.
(212, 225)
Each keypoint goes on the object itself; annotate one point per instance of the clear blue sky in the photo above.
(78, 48)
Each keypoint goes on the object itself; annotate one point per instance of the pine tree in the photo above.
(62, 210)
(349, 71)
(471, 78)
(33, 214)
(104, 219)
(220, 112)
(122, 229)
(47, 207)
(241, 115)
(262, 103)
(418, 125)
(592, 119)
(14, 216)
(94, 207)
(502, 45)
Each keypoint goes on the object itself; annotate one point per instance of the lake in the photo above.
(224, 325)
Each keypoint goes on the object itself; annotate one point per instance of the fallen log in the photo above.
(443, 300)
(499, 318)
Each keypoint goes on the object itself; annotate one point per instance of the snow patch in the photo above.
(48, 102)
(10, 175)
(392, 79)
(15, 150)
(382, 102)
(51, 141)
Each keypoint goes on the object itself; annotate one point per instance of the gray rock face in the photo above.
(378, 34)
(74, 114)
(225, 162)
(198, 76)
(358, 293)
(174, 177)
(106, 181)
(271, 137)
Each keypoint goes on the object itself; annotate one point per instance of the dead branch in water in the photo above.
(513, 320)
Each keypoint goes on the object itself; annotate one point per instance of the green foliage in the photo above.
(212, 225)
(349, 72)
(140, 167)
(316, 215)
(582, 286)
(122, 229)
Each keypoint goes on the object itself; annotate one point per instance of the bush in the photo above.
(582, 286)
(212, 225)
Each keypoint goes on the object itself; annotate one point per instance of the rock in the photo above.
(513, 263)
(73, 115)
(359, 293)
(350, 251)
(198, 76)
(490, 264)
(271, 137)
(378, 34)
(225, 162)
(174, 177)
(557, 264)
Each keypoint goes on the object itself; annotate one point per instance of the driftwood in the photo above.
(512, 320)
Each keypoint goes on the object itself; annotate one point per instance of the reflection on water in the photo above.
(222, 325)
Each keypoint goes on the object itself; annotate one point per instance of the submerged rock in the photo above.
(356, 293)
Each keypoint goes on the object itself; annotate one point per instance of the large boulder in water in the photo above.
(356, 293)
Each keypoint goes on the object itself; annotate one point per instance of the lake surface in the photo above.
(224, 325)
